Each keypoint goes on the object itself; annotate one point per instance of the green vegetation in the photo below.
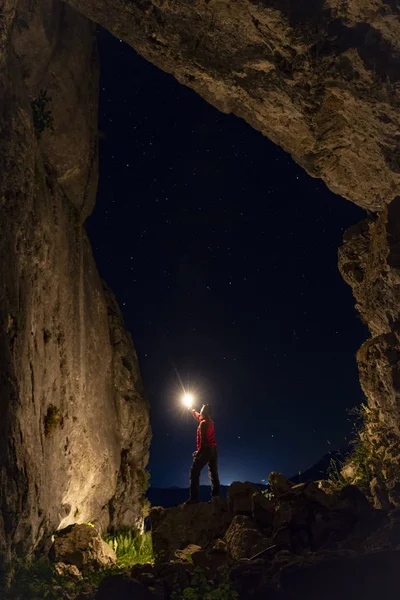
(203, 589)
(40, 580)
(145, 504)
(375, 452)
(131, 547)
(142, 480)
(335, 475)
(269, 494)
(41, 114)
(359, 464)
(52, 419)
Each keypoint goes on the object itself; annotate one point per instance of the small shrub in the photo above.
(142, 480)
(373, 449)
(41, 114)
(334, 474)
(145, 504)
(269, 494)
(52, 419)
(131, 547)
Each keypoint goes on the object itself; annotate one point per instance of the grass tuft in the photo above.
(131, 548)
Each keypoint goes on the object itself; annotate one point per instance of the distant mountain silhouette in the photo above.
(173, 496)
(321, 469)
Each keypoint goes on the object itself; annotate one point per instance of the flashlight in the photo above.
(188, 400)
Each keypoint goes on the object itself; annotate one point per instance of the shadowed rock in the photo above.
(121, 587)
(83, 547)
(177, 528)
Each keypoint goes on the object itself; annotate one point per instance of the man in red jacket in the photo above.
(206, 453)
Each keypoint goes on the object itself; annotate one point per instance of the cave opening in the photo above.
(222, 252)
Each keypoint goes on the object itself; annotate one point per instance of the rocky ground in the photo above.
(308, 540)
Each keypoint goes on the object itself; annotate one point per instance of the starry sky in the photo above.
(222, 253)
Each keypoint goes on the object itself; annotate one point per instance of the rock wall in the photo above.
(72, 412)
(369, 261)
(320, 78)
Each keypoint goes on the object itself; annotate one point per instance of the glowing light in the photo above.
(188, 400)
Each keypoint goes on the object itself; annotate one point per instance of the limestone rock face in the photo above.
(74, 428)
(369, 261)
(319, 78)
(132, 414)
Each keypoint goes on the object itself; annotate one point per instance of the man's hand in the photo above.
(195, 453)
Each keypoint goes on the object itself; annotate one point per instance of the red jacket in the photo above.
(205, 432)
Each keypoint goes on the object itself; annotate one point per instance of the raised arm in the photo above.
(195, 414)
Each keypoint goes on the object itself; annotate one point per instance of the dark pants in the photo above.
(207, 456)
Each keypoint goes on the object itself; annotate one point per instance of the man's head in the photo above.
(206, 411)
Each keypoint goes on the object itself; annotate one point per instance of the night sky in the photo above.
(222, 253)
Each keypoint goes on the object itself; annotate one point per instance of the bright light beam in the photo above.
(188, 400)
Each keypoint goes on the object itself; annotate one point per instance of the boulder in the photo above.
(176, 528)
(122, 587)
(308, 518)
(193, 554)
(282, 537)
(68, 571)
(240, 497)
(171, 577)
(351, 499)
(219, 546)
(262, 510)
(218, 554)
(243, 538)
(82, 546)
(187, 553)
(315, 494)
(296, 511)
(279, 484)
